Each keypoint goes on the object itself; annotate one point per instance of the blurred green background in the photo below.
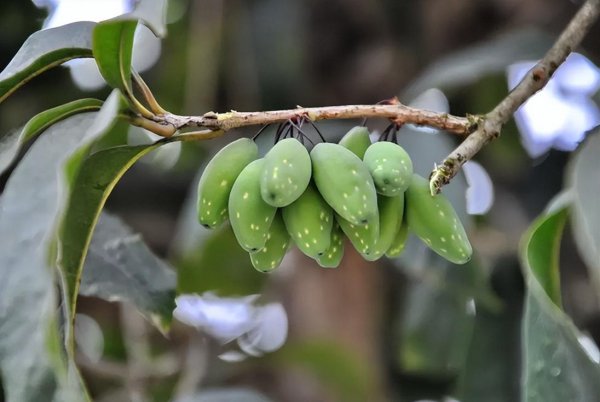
(412, 329)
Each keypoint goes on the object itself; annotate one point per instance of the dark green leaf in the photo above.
(584, 182)
(46, 49)
(32, 366)
(97, 176)
(226, 395)
(119, 266)
(555, 367)
(493, 360)
(442, 302)
(11, 143)
(492, 370)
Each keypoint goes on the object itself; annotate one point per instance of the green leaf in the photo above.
(113, 49)
(540, 254)
(98, 175)
(31, 360)
(555, 366)
(113, 41)
(11, 143)
(46, 49)
(120, 267)
(583, 181)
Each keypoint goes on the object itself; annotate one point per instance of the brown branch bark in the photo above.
(399, 113)
(490, 125)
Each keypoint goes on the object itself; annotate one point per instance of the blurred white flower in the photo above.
(480, 190)
(257, 329)
(84, 72)
(590, 347)
(434, 100)
(559, 115)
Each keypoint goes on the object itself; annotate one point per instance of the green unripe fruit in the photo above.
(399, 242)
(286, 173)
(278, 241)
(309, 220)
(435, 221)
(357, 140)
(391, 210)
(332, 257)
(250, 215)
(345, 183)
(218, 178)
(390, 166)
(362, 237)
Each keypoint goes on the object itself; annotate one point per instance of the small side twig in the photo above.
(490, 125)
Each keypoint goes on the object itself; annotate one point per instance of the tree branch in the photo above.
(490, 125)
(396, 112)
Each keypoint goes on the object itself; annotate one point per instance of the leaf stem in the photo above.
(148, 95)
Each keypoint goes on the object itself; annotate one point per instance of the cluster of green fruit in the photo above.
(365, 191)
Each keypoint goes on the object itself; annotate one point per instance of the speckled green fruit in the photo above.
(435, 221)
(399, 242)
(390, 166)
(286, 173)
(362, 237)
(309, 220)
(278, 241)
(332, 257)
(391, 210)
(250, 215)
(218, 178)
(357, 140)
(345, 183)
